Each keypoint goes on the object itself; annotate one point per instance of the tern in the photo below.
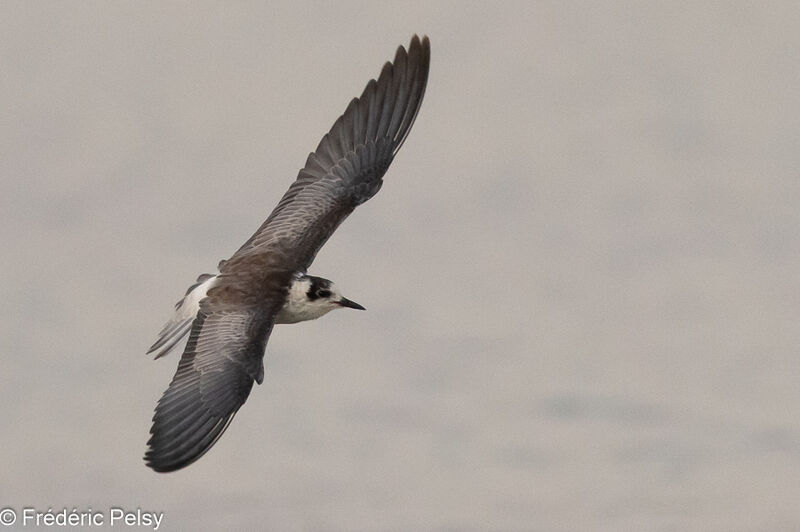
(229, 315)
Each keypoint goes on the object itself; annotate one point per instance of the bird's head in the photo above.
(310, 298)
(325, 292)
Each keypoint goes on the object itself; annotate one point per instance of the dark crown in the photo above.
(319, 288)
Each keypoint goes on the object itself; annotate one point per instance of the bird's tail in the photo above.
(185, 311)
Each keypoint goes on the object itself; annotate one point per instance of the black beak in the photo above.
(344, 302)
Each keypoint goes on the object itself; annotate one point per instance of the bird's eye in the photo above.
(324, 294)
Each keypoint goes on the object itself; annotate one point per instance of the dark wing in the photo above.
(223, 356)
(226, 345)
(346, 169)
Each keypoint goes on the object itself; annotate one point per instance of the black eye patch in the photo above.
(319, 288)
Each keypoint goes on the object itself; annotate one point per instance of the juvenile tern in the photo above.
(229, 315)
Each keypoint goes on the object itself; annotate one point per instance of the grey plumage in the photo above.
(224, 354)
(178, 326)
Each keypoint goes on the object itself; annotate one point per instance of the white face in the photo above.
(311, 298)
(324, 300)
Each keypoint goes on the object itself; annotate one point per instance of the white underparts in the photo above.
(298, 307)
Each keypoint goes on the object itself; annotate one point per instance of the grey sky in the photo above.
(581, 273)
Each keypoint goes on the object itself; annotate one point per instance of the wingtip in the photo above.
(422, 42)
(166, 457)
(416, 42)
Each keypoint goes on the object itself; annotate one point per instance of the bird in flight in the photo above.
(229, 315)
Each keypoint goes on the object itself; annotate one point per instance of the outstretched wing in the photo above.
(347, 167)
(226, 345)
(223, 356)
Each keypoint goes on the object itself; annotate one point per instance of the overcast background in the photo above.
(581, 272)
